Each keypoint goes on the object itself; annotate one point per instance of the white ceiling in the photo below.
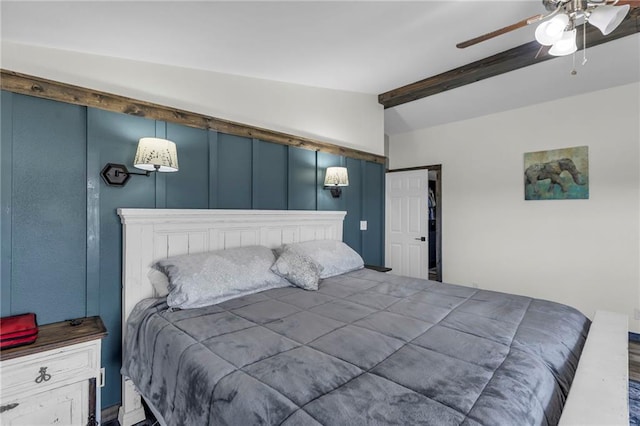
(368, 47)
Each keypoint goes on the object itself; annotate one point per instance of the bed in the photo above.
(365, 348)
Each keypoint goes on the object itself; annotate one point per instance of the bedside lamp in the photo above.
(152, 155)
(334, 178)
(156, 155)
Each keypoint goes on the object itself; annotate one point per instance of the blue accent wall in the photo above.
(270, 170)
(372, 249)
(234, 177)
(60, 251)
(6, 149)
(302, 180)
(353, 204)
(189, 188)
(48, 209)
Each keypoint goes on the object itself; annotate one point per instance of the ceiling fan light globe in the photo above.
(566, 45)
(607, 18)
(548, 32)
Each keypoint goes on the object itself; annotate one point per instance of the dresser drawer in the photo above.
(49, 369)
(64, 406)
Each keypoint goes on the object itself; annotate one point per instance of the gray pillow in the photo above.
(335, 257)
(208, 278)
(298, 268)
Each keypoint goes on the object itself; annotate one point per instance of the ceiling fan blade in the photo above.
(632, 3)
(501, 31)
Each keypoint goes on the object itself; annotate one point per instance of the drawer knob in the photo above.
(44, 376)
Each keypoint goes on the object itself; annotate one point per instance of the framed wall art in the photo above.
(558, 174)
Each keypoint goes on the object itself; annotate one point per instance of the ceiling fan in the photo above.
(558, 26)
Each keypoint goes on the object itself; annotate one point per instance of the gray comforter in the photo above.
(366, 348)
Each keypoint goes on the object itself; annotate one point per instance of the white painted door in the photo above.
(406, 219)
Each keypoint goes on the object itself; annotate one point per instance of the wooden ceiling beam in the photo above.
(15, 82)
(509, 60)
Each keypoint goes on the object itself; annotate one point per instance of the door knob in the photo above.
(421, 239)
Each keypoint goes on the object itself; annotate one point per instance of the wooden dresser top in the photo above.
(60, 334)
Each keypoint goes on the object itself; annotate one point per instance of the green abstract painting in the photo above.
(558, 174)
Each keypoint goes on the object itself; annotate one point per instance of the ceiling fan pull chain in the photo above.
(584, 41)
(539, 52)
(573, 71)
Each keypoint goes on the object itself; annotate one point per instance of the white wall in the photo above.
(581, 252)
(349, 119)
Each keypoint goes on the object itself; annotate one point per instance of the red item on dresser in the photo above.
(18, 330)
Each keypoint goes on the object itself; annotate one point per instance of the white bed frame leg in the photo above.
(131, 411)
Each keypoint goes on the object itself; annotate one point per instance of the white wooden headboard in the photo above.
(152, 234)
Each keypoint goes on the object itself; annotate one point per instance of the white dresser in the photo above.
(53, 381)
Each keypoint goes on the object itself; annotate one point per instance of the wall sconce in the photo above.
(153, 155)
(334, 178)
